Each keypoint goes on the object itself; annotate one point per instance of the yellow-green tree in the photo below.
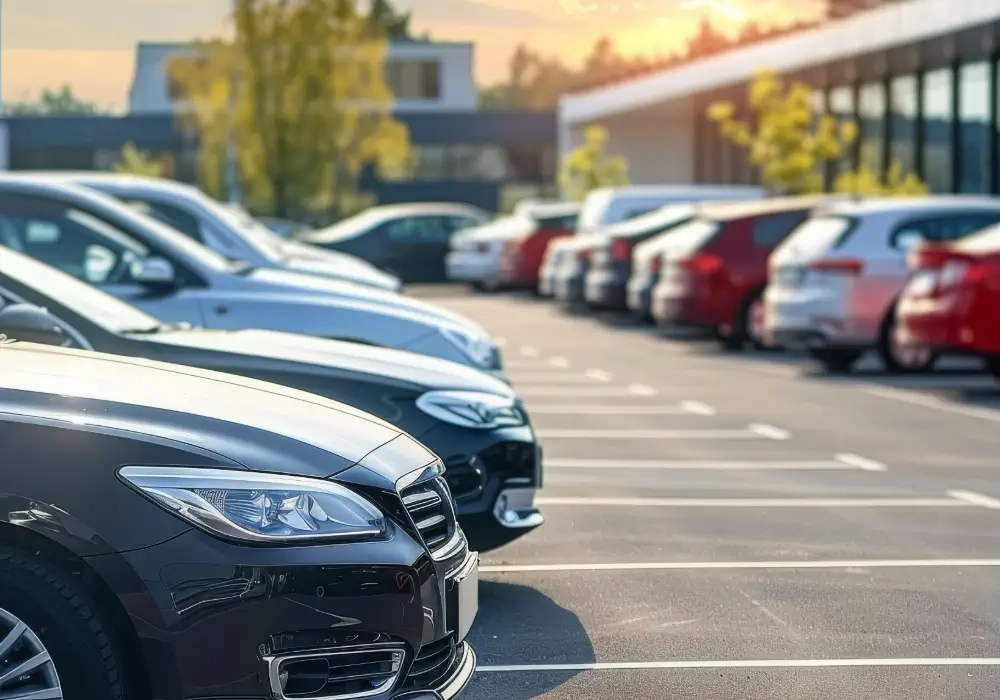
(299, 96)
(865, 181)
(589, 167)
(789, 143)
(132, 161)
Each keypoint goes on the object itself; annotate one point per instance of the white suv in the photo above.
(833, 284)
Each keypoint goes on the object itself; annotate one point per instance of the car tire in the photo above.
(887, 351)
(836, 361)
(59, 614)
(745, 331)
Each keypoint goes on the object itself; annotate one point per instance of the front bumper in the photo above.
(493, 476)
(221, 620)
(606, 290)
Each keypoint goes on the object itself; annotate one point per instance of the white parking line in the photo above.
(587, 392)
(529, 351)
(869, 465)
(835, 464)
(976, 499)
(934, 403)
(698, 408)
(546, 378)
(926, 502)
(599, 375)
(850, 564)
(560, 362)
(748, 663)
(753, 432)
(610, 410)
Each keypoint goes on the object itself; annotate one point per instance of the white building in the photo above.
(424, 76)
(920, 77)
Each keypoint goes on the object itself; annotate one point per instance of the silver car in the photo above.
(833, 283)
(227, 230)
(102, 241)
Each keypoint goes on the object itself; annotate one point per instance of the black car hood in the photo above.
(319, 355)
(262, 426)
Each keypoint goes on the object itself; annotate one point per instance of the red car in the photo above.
(523, 256)
(715, 269)
(949, 304)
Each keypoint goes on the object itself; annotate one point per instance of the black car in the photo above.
(606, 282)
(171, 532)
(473, 421)
(409, 241)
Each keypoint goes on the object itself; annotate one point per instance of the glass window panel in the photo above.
(974, 127)
(841, 106)
(871, 118)
(903, 97)
(938, 117)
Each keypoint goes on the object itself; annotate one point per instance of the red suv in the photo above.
(523, 256)
(714, 271)
(950, 302)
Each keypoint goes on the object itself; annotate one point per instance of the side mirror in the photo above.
(154, 272)
(31, 324)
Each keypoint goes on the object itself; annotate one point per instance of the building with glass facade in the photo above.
(919, 76)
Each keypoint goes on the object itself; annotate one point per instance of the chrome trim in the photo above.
(456, 684)
(274, 671)
(459, 573)
(424, 473)
(514, 509)
(452, 547)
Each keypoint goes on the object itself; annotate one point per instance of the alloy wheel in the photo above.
(908, 356)
(27, 672)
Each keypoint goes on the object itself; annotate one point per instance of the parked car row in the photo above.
(833, 276)
(224, 446)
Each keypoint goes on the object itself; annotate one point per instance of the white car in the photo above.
(833, 283)
(476, 253)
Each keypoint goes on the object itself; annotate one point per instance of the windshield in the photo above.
(96, 306)
(816, 236)
(343, 229)
(690, 237)
(264, 240)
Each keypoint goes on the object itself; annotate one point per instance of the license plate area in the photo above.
(464, 600)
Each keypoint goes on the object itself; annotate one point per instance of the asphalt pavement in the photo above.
(739, 526)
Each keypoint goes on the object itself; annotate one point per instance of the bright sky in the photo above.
(90, 44)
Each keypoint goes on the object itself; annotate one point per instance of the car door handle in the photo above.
(222, 309)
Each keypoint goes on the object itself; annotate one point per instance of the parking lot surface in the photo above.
(734, 527)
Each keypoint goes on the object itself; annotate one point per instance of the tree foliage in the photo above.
(864, 181)
(788, 142)
(589, 167)
(132, 161)
(61, 102)
(299, 96)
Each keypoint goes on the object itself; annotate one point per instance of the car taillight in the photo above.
(841, 266)
(702, 263)
(621, 250)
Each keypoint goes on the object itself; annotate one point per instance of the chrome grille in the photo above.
(357, 673)
(434, 663)
(429, 505)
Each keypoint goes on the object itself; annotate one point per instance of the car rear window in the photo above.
(820, 234)
(693, 236)
(566, 222)
(769, 231)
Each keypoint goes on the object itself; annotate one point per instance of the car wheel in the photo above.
(899, 358)
(749, 328)
(834, 360)
(52, 627)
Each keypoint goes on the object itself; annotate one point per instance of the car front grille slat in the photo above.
(429, 505)
(336, 674)
(433, 664)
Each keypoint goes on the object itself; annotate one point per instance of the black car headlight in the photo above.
(472, 409)
(259, 508)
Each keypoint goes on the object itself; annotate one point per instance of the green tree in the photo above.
(300, 97)
(385, 20)
(589, 167)
(865, 181)
(61, 102)
(132, 161)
